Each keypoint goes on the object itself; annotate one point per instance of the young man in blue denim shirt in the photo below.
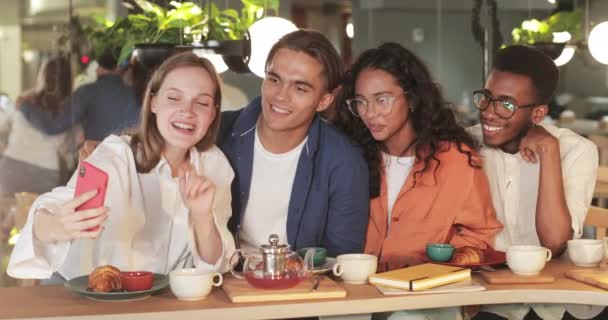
(296, 175)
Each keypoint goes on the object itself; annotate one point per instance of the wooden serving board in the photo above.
(508, 277)
(594, 277)
(241, 291)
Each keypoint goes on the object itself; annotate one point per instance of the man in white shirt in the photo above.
(541, 177)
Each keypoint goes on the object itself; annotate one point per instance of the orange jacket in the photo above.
(451, 204)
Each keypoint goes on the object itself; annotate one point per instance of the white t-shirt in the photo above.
(271, 183)
(397, 169)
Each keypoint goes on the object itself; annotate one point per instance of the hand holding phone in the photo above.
(67, 223)
(91, 178)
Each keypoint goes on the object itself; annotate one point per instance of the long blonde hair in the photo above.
(147, 143)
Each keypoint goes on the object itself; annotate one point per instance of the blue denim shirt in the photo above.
(329, 204)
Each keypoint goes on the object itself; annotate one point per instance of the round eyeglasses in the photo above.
(383, 105)
(503, 108)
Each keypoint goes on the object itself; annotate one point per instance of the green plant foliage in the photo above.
(533, 31)
(182, 23)
(104, 35)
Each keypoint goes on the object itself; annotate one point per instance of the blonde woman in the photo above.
(168, 196)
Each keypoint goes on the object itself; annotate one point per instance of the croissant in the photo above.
(105, 279)
(467, 255)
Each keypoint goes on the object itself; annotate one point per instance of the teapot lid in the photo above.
(274, 247)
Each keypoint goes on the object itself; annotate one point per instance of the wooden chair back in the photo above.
(598, 217)
(24, 201)
(602, 145)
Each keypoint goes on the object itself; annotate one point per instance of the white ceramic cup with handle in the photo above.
(527, 260)
(586, 252)
(191, 284)
(355, 267)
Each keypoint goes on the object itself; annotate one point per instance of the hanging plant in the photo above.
(181, 23)
(542, 33)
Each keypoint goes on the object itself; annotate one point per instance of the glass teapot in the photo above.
(273, 266)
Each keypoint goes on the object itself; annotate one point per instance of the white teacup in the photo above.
(586, 252)
(192, 284)
(527, 260)
(355, 267)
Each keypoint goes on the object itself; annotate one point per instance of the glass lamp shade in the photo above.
(565, 56)
(264, 34)
(214, 58)
(598, 45)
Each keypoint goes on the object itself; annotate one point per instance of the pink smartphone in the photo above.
(91, 178)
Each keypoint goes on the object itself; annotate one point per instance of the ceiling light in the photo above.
(598, 46)
(264, 34)
(561, 37)
(565, 56)
(350, 30)
(216, 59)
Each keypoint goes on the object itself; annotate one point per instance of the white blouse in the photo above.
(148, 226)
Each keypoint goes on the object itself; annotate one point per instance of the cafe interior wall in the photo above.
(439, 32)
(10, 40)
(584, 77)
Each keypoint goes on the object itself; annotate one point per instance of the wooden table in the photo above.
(58, 302)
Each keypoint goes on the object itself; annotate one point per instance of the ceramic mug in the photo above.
(191, 284)
(355, 267)
(586, 252)
(527, 260)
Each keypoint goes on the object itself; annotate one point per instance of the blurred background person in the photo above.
(32, 159)
(103, 107)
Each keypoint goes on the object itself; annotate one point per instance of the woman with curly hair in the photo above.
(426, 183)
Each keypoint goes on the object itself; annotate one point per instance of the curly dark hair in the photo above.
(433, 121)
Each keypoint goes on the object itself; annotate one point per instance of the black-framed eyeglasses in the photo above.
(502, 107)
(383, 103)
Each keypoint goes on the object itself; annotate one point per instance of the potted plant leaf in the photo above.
(156, 32)
(541, 33)
(104, 35)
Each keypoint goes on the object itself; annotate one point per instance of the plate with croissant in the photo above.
(472, 257)
(105, 283)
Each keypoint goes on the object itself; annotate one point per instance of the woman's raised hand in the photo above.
(69, 224)
(197, 193)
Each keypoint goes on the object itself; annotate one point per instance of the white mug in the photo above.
(356, 267)
(527, 260)
(586, 252)
(191, 284)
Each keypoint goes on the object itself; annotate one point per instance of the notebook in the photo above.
(460, 286)
(420, 277)
(592, 277)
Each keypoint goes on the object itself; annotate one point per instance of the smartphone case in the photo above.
(91, 178)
